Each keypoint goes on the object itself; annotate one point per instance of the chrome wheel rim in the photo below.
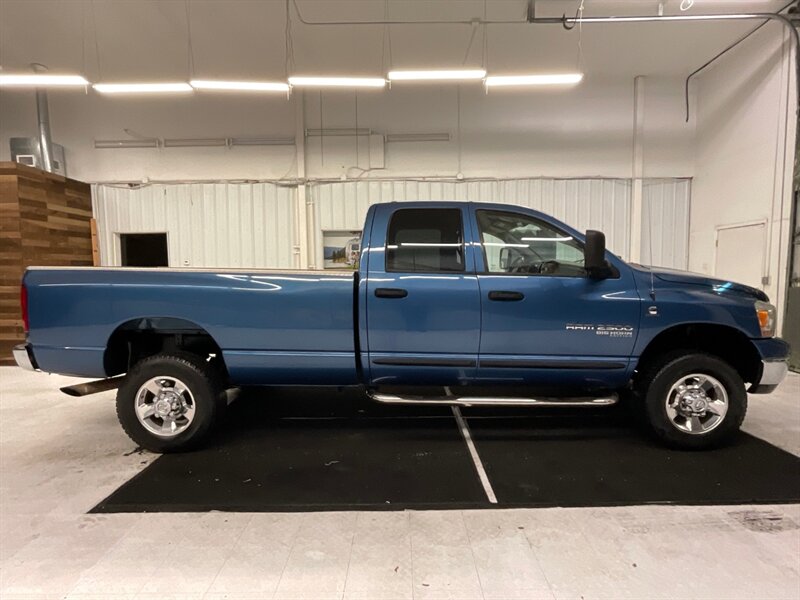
(697, 403)
(165, 406)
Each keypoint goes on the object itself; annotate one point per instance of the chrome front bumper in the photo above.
(23, 357)
(772, 373)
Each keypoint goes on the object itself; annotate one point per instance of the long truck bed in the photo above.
(286, 326)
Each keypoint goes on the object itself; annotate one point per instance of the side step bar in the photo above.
(93, 387)
(479, 401)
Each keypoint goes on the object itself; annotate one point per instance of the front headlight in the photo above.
(766, 318)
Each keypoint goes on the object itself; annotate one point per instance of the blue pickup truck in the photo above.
(453, 302)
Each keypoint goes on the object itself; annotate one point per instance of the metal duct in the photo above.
(43, 125)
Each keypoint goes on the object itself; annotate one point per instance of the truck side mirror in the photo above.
(594, 255)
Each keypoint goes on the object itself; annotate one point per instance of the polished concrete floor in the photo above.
(59, 456)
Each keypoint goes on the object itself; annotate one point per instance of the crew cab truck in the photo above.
(452, 302)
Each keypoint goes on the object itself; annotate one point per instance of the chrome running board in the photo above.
(480, 401)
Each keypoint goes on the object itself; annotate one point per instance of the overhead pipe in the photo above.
(721, 54)
(570, 22)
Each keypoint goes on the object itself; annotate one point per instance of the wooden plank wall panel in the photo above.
(44, 221)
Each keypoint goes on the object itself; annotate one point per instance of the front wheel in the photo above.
(693, 400)
(169, 402)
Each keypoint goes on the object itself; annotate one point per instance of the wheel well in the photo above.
(139, 338)
(727, 343)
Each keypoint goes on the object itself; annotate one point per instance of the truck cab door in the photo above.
(544, 321)
(422, 302)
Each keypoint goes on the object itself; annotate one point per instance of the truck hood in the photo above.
(715, 285)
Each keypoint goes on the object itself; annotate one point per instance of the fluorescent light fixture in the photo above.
(142, 143)
(417, 137)
(41, 80)
(553, 79)
(338, 132)
(194, 142)
(371, 82)
(262, 141)
(240, 86)
(547, 239)
(446, 75)
(142, 88)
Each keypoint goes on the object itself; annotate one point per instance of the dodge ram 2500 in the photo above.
(452, 303)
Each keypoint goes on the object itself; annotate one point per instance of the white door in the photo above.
(740, 254)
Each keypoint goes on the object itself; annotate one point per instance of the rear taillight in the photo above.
(23, 301)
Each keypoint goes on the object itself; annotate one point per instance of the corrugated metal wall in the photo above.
(253, 224)
(207, 224)
(665, 222)
(583, 203)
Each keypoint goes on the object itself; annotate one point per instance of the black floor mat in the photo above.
(311, 450)
(534, 463)
(332, 455)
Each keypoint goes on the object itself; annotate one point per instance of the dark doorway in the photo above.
(144, 249)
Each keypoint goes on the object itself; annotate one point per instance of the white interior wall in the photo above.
(570, 132)
(744, 148)
(77, 119)
(505, 133)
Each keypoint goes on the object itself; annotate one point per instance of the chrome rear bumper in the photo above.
(23, 357)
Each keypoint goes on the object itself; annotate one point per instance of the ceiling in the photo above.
(130, 40)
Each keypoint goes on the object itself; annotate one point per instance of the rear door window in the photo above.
(425, 240)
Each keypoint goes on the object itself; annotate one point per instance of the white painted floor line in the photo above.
(476, 459)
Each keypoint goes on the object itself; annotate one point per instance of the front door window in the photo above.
(518, 244)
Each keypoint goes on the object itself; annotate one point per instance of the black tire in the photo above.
(207, 393)
(655, 382)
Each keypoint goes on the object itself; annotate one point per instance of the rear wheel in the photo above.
(693, 400)
(169, 402)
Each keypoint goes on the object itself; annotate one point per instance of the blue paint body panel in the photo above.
(297, 326)
(328, 328)
(439, 322)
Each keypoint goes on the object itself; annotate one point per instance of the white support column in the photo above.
(301, 226)
(637, 171)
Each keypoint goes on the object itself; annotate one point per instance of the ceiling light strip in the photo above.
(440, 75)
(368, 82)
(242, 86)
(142, 88)
(40, 80)
(541, 79)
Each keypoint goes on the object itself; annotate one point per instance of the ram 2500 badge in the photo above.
(453, 303)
